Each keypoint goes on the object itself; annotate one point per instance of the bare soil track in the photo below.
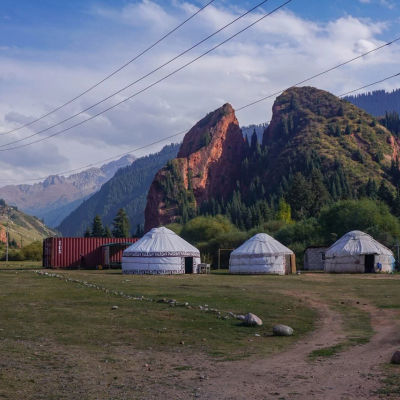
(355, 373)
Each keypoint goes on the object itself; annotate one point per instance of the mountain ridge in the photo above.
(317, 149)
(126, 189)
(57, 195)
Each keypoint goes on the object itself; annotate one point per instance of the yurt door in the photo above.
(188, 265)
(288, 269)
(369, 263)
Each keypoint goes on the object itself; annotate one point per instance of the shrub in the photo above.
(33, 251)
(203, 229)
(365, 215)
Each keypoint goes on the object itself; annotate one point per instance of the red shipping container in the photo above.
(79, 252)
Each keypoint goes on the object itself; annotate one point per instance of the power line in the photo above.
(167, 76)
(115, 157)
(112, 73)
(169, 137)
(134, 82)
(320, 73)
(371, 84)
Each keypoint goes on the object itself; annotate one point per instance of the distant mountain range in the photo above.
(57, 196)
(378, 102)
(127, 189)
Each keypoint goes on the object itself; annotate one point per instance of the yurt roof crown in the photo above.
(356, 243)
(261, 244)
(161, 242)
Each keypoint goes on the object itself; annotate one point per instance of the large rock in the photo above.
(282, 330)
(252, 320)
(395, 358)
(207, 166)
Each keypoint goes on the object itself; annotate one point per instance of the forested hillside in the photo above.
(318, 149)
(127, 189)
(378, 102)
(324, 167)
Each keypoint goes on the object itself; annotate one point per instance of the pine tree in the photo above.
(107, 232)
(254, 141)
(284, 211)
(396, 204)
(97, 227)
(371, 189)
(87, 233)
(300, 196)
(320, 195)
(121, 224)
(385, 194)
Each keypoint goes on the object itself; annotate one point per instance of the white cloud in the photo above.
(275, 54)
(386, 3)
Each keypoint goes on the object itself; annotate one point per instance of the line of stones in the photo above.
(172, 302)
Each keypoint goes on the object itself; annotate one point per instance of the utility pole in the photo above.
(7, 236)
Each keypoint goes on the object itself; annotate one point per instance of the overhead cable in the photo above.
(140, 91)
(110, 75)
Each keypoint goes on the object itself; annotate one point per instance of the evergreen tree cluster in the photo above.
(127, 189)
(392, 122)
(121, 227)
(175, 192)
(377, 102)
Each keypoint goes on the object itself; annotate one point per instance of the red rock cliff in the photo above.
(207, 166)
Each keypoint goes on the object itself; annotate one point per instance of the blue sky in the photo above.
(44, 24)
(52, 50)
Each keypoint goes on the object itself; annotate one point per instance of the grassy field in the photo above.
(56, 334)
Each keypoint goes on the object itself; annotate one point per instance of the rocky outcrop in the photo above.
(207, 166)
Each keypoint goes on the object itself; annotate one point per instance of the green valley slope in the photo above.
(127, 189)
(317, 149)
(22, 227)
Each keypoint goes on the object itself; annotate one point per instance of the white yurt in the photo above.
(357, 251)
(262, 254)
(160, 251)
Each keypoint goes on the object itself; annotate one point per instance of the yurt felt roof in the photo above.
(261, 244)
(356, 243)
(161, 242)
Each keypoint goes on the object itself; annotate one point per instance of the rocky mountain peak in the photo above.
(207, 166)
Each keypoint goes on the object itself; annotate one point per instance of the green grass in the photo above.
(327, 351)
(390, 383)
(19, 265)
(56, 334)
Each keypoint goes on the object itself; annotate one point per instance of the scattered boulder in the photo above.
(395, 357)
(240, 317)
(282, 330)
(114, 308)
(252, 320)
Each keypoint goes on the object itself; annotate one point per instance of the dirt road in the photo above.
(352, 374)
